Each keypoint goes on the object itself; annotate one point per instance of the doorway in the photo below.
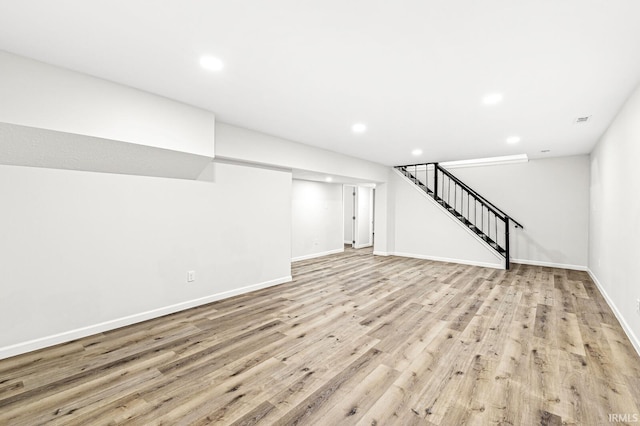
(359, 218)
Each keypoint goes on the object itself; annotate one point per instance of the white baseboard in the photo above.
(359, 246)
(445, 259)
(314, 255)
(380, 253)
(625, 326)
(348, 242)
(67, 336)
(550, 264)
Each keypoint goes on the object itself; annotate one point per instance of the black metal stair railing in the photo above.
(472, 209)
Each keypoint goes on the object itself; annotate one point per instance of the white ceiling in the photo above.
(415, 71)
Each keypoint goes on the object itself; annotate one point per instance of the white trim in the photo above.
(67, 336)
(453, 218)
(550, 264)
(348, 242)
(359, 246)
(314, 255)
(446, 259)
(635, 342)
(380, 253)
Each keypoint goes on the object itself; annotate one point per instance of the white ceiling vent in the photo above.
(582, 120)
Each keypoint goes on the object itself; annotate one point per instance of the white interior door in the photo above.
(364, 217)
(349, 203)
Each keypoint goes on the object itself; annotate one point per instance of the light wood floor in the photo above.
(354, 339)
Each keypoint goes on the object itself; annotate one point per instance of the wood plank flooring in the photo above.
(355, 339)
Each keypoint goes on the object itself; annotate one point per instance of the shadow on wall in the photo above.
(531, 249)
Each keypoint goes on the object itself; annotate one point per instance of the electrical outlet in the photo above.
(638, 306)
(191, 276)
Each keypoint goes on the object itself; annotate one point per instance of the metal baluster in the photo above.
(448, 190)
(495, 231)
(475, 212)
(435, 182)
(506, 243)
(455, 196)
(467, 215)
(475, 219)
(445, 179)
(490, 224)
(426, 178)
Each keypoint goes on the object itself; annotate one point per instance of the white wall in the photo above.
(247, 145)
(422, 229)
(614, 244)
(87, 252)
(384, 217)
(316, 219)
(39, 95)
(240, 144)
(348, 201)
(550, 197)
(82, 252)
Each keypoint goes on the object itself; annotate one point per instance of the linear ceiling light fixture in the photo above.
(491, 161)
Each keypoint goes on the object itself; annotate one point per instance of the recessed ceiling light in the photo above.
(211, 63)
(328, 179)
(359, 128)
(513, 139)
(492, 99)
(416, 152)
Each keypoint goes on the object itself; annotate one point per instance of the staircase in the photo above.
(477, 213)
